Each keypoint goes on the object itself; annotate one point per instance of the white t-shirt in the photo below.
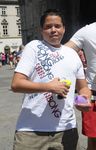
(85, 38)
(44, 111)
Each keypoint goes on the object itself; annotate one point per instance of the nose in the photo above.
(53, 29)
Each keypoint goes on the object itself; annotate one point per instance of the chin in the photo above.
(56, 45)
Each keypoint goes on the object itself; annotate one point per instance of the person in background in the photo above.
(19, 53)
(11, 58)
(3, 59)
(0, 59)
(47, 122)
(85, 38)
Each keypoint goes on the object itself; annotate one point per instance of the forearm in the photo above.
(85, 91)
(72, 45)
(22, 84)
(27, 86)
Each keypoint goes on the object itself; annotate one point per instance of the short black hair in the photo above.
(51, 12)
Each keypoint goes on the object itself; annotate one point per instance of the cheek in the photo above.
(62, 33)
(46, 34)
(63, 30)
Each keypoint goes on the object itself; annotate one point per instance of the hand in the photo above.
(58, 87)
(84, 107)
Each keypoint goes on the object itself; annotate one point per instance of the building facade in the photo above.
(10, 26)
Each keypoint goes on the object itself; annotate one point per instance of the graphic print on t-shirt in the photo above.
(47, 60)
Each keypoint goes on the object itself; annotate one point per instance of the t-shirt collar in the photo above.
(52, 48)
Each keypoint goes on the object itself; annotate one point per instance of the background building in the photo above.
(10, 25)
(77, 13)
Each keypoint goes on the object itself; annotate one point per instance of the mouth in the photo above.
(54, 36)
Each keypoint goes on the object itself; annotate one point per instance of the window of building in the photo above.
(19, 27)
(4, 24)
(18, 11)
(5, 31)
(3, 11)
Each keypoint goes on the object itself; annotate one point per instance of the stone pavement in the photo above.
(10, 105)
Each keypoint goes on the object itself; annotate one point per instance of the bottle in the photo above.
(67, 82)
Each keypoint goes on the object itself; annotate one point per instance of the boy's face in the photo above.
(53, 30)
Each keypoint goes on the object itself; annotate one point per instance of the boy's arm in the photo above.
(21, 83)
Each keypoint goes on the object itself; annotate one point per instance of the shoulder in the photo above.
(90, 26)
(33, 43)
(70, 53)
(83, 29)
(31, 48)
(70, 50)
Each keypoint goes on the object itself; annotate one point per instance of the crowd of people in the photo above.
(11, 58)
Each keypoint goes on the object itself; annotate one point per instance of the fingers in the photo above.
(58, 87)
(83, 107)
(65, 89)
(63, 94)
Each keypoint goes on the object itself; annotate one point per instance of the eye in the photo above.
(58, 26)
(47, 26)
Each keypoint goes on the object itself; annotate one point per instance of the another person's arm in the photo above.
(71, 44)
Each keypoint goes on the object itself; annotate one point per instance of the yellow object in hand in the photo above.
(68, 82)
